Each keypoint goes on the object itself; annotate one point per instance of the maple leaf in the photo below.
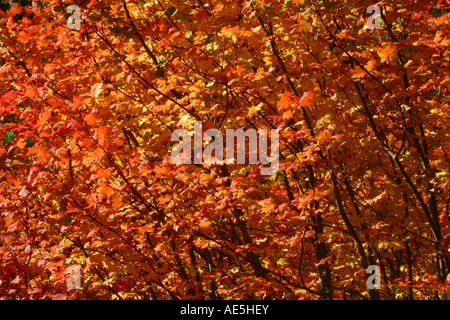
(99, 152)
(52, 265)
(91, 119)
(371, 65)
(287, 99)
(45, 116)
(358, 73)
(76, 102)
(87, 179)
(106, 189)
(388, 53)
(49, 68)
(306, 99)
(102, 131)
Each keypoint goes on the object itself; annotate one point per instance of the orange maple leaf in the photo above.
(287, 99)
(387, 53)
(102, 134)
(45, 116)
(306, 99)
(91, 119)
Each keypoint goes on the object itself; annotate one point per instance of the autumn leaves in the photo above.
(152, 183)
(213, 154)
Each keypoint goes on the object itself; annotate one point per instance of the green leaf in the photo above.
(170, 11)
(10, 119)
(9, 136)
(445, 296)
(436, 12)
(30, 142)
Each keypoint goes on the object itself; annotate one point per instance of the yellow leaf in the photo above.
(254, 110)
(16, 162)
(396, 244)
(358, 73)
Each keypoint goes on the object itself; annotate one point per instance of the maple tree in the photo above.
(86, 176)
